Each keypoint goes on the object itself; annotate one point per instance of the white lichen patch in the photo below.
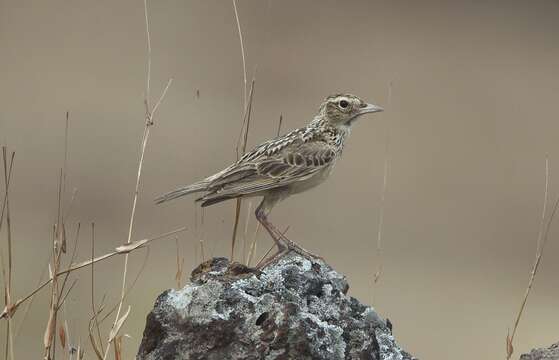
(388, 348)
(326, 336)
(198, 302)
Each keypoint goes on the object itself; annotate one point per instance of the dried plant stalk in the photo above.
(378, 272)
(149, 121)
(121, 250)
(95, 320)
(542, 240)
(246, 120)
(7, 275)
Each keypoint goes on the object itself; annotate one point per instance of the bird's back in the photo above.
(296, 160)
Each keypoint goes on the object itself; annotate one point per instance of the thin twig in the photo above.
(64, 172)
(62, 298)
(160, 100)
(6, 188)
(245, 105)
(542, 240)
(96, 322)
(72, 258)
(131, 287)
(180, 265)
(49, 338)
(252, 248)
(242, 54)
(280, 122)
(149, 116)
(245, 231)
(148, 43)
(8, 278)
(202, 235)
(378, 273)
(30, 303)
(67, 293)
(121, 250)
(248, 111)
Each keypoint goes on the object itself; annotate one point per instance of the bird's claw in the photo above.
(292, 246)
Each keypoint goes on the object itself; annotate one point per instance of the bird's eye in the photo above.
(343, 104)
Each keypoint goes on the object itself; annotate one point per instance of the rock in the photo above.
(551, 353)
(294, 308)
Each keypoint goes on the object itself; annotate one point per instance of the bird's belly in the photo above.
(311, 182)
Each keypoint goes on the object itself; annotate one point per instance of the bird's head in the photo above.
(344, 109)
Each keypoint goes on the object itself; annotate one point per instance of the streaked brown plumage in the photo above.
(286, 165)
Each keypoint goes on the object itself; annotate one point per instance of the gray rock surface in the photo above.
(550, 353)
(294, 308)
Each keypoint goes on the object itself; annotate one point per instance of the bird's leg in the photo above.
(272, 230)
(282, 242)
(291, 245)
(274, 234)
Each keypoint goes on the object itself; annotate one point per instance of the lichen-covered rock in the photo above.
(551, 353)
(294, 308)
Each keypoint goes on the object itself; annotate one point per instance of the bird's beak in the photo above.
(369, 108)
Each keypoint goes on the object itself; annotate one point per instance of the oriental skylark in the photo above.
(287, 165)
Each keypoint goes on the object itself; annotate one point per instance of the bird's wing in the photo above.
(296, 162)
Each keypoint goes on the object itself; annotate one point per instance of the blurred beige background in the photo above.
(473, 114)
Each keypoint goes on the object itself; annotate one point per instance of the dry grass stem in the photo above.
(116, 329)
(244, 129)
(62, 336)
(378, 272)
(202, 235)
(96, 322)
(245, 230)
(131, 287)
(242, 54)
(30, 302)
(542, 240)
(121, 250)
(63, 298)
(7, 275)
(94, 344)
(180, 266)
(280, 122)
(149, 121)
(49, 339)
(118, 348)
(246, 119)
(252, 248)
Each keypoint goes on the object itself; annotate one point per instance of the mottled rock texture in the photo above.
(294, 308)
(551, 353)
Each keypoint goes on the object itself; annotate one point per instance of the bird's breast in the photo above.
(313, 181)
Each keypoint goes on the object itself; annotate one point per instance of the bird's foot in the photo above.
(292, 246)
(286, 249)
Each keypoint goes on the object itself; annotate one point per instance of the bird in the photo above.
(286, 165)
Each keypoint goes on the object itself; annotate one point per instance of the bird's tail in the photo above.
(196, 187)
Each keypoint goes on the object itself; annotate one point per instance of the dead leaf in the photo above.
(9, 310)
(47, 338)
(63, 246)
(510, 348)
(123, 249)
(118, 348)
(118, 325)
(94, 344)
(62, 336)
